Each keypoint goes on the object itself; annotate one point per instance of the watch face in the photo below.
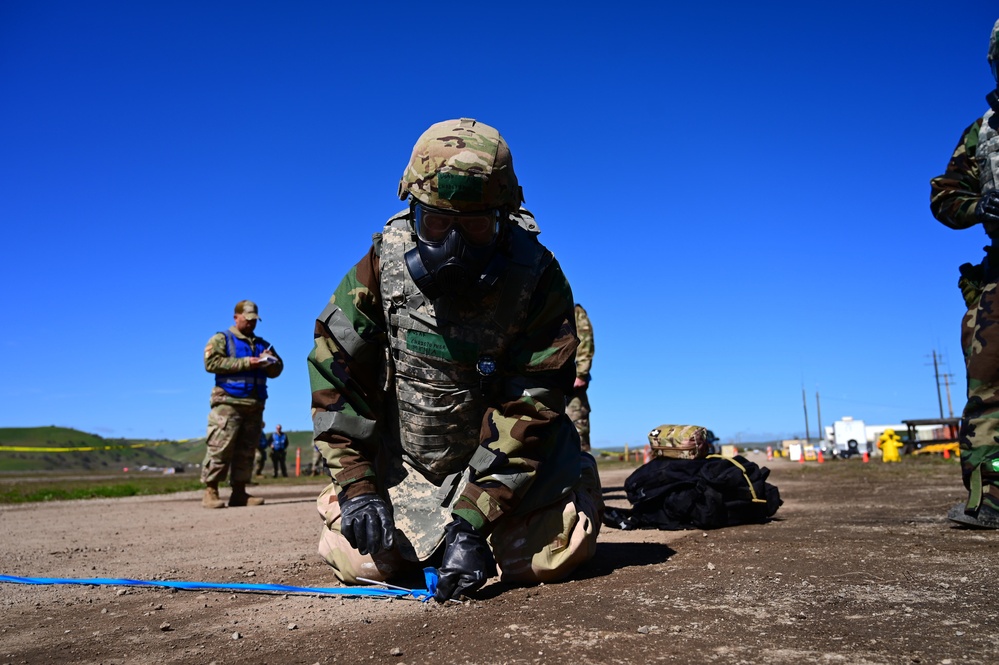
(486, 366)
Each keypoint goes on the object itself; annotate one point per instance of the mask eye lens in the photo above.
(478, 230)
(433, 227)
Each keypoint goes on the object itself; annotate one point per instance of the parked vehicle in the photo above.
(850, 437)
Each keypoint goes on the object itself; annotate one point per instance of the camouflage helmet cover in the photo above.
(994, 43)
(462, 165)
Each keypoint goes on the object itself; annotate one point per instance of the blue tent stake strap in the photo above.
(422, 595)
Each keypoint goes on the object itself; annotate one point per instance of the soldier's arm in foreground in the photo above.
(584, 352)
(344, 366)
(522, 430)
(954, 195)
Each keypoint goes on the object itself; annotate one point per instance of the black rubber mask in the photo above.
(452, 266)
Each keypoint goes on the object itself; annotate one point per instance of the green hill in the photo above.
(65, 449)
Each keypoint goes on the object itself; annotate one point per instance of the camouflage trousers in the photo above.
(541, 546)
(578, 410)
(233, 439)
(979, 434)
(260, 461)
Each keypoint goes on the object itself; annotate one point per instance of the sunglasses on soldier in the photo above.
(477, 228)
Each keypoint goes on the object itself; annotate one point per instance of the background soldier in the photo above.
(317, 461)
(241, 363)
(439, 375)
(278, 442)
(967, 195)
(261, 458)
(579, 406)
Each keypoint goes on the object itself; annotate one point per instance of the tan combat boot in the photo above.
(239, 497)
(211, 498)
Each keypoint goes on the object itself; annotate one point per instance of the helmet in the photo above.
(462, 165)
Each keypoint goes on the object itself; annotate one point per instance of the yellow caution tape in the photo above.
(79, 449)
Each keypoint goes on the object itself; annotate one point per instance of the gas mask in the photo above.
(455, 253)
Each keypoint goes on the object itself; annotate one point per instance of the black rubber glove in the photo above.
(366, 522)
(468, 561)
(987, 210)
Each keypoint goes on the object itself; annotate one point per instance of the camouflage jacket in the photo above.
(954, 195)
(217, 361)
(350, 375)
(584, 352)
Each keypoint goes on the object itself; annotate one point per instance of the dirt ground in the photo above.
(860, 566)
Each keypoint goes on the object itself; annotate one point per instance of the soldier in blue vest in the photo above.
(279, 450)
(241, 363)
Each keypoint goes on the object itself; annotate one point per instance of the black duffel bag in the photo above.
(710, 493)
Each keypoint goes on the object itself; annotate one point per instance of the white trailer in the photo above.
(850, 437)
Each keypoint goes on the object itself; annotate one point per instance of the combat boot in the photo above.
(211, 498)
(239, 497)
(984, 518)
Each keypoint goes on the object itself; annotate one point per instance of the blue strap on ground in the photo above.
(369, 592)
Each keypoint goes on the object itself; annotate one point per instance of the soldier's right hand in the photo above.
(987, 210)
(366, 522)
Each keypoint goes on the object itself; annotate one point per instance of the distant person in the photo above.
(317, 461)
(241, 363)
(578, 407)
(967, 195)
(278, 441)
(261, 458)
(439, 379)
(889, 442)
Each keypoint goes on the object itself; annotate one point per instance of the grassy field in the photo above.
(71, 464)
(59, 463)
(65, 449)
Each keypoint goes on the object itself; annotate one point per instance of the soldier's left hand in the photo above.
(987, 209)
(468, 562)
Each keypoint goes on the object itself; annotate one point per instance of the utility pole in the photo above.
(950, 406)
(936, 374)
(805, 404)
(818, 410)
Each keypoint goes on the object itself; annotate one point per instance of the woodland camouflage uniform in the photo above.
(501, 456)
(954, 201)
(578, 407)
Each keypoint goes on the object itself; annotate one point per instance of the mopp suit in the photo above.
(967, 194)
(439, 378)
(578, 407)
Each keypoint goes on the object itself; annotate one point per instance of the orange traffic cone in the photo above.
(770, 452)
(946, 453)
(647, 455)
(818, 457)
(802, 458)
(867, 457)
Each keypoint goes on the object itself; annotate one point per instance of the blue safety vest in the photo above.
(251, 383)
(279, 441)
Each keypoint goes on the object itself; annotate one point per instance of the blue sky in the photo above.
(738, 193)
